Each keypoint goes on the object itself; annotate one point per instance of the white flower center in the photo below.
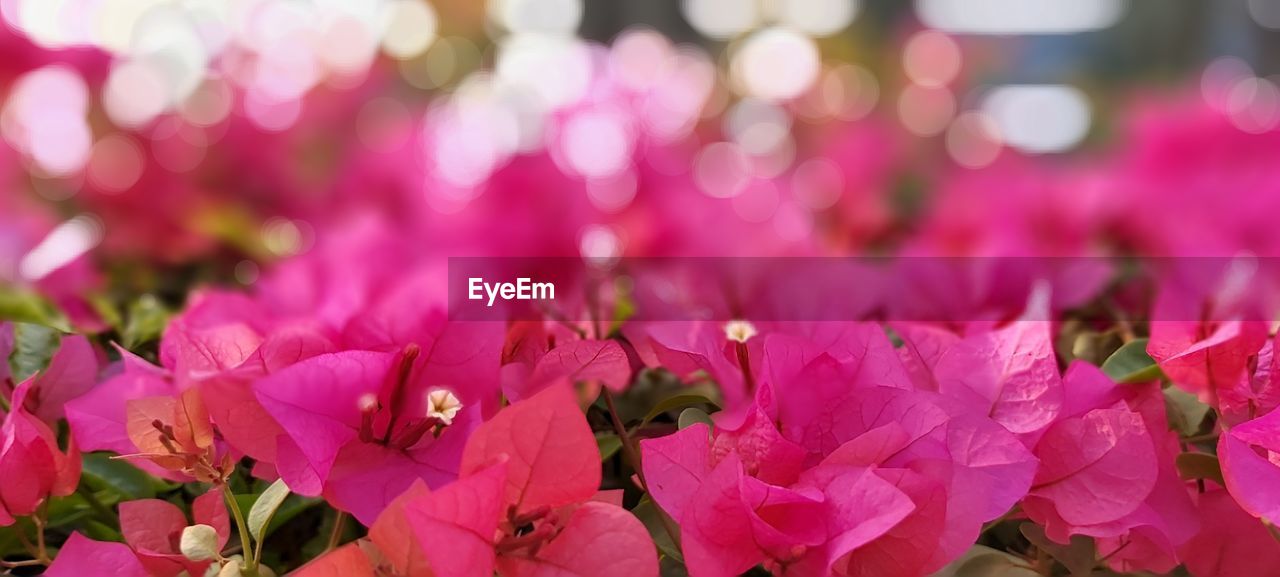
(739, 331)
(443, 405)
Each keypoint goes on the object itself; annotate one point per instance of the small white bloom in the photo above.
(443, 405)
(367, 402)
(739, 331)
(199, 543)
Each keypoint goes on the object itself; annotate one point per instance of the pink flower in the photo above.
(1250, 456)
(1108, 472)
(828, 441)
(538, 354)
(524, 506)
(34, 467)
(358, 426)
(1231, 543)
(152, 530)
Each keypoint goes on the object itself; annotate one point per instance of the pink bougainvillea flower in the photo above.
(1250, 456)
(1148, 538)
(34, 467)
(524, 506)
(72, 371)
(361, 426)
(1204, 357)
(877, 463)
(1098, 461)
(175, 434)
(1255, 395)
(152, 531)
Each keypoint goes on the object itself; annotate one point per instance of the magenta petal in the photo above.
(97, 418)
(366, 477)
(994, 470)
(1010, 373)
(72, 372)
(317, 401)
(716, 528)
(1251, 478)
(675, 466)
(1096, 468)
(81, 556)
(602, 361)
(863, 507)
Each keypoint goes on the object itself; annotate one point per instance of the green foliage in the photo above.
(1132, 364)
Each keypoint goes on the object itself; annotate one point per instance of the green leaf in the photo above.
(693, 396)
(29, 307)
(1078, 557)
(101, 472)
(609, 445)
(693, 416)
(99, 531)
(1131, 364)
(264, 508)
(1185, 411)
(650, 515)
(146, 320)
(1200, 466)
(33, 346)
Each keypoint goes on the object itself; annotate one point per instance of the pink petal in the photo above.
(97, 418)
(211, 509)
(317, 401)
(1096, 468)
(717, 529)
(575, 361)
(862, 508)
(675, 466)
(365, 477)
(909, 548)
(72, 371)
(455, 526)
(598, 539)
(1231, 543)
(764, 452)
(1010, 373)
(553, 457)
(1251, 477)
(394, 537)
(81, 556)
(150, 524)
(349, 560)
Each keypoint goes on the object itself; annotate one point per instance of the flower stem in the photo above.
(335, 536)
(250, 562)
(633, 457)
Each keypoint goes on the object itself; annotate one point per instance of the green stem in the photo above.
(250, 561)
(633, 456)
(335, 536)
(104, 514)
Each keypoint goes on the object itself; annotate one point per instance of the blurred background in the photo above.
(150, 145)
